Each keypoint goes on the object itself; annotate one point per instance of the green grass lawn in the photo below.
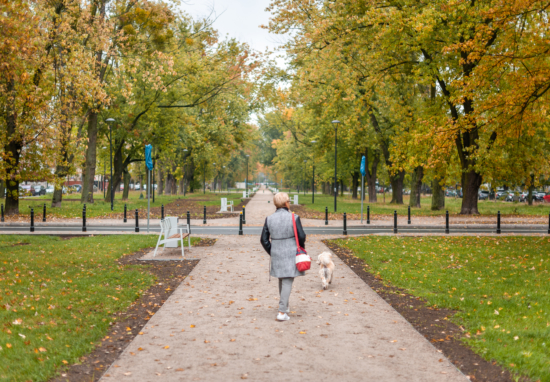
(100, 208)
(353, 206)
(500, 288)
(57, 298)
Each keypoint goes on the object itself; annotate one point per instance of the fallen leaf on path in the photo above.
(180, 369)
(140, 349)
(302, 332)
(166, 347)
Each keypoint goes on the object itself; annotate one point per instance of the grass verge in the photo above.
(499, 288)
(353, 206)
(59, 297)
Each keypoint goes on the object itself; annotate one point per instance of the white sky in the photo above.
(240, 19)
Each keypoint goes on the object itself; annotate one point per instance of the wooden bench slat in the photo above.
(177, 235)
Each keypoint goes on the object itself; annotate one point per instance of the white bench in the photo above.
(172, 234)
(226, 205)
(246, 195)
(295, 201)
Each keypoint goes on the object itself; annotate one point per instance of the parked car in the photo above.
(450, 193)
(137, 187)
(78, 188)
(50, 190)
(483, 195)
(539, 196)
(39, 190)
(546, 197)
(406, 191)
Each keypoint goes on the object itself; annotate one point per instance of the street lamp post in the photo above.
(304, 177)
(215, 183)
(335, 122)
(204, 177)
(110, 123)
(223, 178)
(104, 171)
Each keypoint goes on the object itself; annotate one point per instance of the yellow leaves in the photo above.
(166, 347)
(140, 349)
(42, 350)
(8, 345)
(303, 332)
(191, 326)
(64, 362)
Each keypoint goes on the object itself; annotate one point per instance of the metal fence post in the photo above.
(244, 214)
(189, 221)
(368, 214)
(204, 215)
(326, 215)
(125, 211)
(394, 221)
(162, 211)
(548, 224)
(498, 222)
(2, 212)
(84, 218)
(241, 223)
(137, 221)
(44, 214)
(345, 224)
(446, 221)
(409, 215)
(32, 219)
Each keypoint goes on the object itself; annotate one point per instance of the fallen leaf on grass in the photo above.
(65, 362)
(42, 350)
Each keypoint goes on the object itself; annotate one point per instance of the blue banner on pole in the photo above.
(363, 169)
(148, 159)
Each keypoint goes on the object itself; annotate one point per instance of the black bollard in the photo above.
(368, 214)
(409, 216)
(446, 221)
(204, 217)
(32, 219)
(137, 221)
(548, 224)
(44, 214)
(84, 218)
(125, 220)
(498, 222)
(2, 212)
(326, 215)
(241, 223)
(394, 221)
(244, 215)
(189, 221)
(162, 211)
(345, 224)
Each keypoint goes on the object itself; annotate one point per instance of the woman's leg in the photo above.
(285, 286)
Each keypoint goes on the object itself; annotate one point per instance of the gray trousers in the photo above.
(285, 286)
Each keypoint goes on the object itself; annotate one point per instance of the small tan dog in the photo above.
(326, 268)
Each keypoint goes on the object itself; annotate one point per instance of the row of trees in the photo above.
(444, 91)
(66, 66)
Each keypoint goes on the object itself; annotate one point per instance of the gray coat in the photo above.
(282, 246)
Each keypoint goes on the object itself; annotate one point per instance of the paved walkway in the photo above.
(219, 325)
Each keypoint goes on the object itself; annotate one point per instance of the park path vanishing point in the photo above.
(219, 325)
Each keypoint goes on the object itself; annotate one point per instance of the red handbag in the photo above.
(303, 261)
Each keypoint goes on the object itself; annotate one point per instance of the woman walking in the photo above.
(282, 249)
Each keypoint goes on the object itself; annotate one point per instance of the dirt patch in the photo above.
(430, 322)
(169, 275)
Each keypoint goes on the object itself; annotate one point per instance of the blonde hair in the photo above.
(280, 199)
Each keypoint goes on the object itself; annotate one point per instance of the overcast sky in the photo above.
(237, 18)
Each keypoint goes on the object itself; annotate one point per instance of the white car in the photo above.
(50, 190)
(136, 187)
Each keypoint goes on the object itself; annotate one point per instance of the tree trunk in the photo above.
(471, 181)
(416, 184)
(161, 181)
(126, 184)
(355, 183)
(91, 158)
(180, 191)
(60, 173)
(2, 189)
(397, 187)
(341, 190)
(371, 173)
(531, 189)
(118, 168)
(438, 195)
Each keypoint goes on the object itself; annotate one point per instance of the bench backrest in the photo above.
(295, 199)
(224, 204)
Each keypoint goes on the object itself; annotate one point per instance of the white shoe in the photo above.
(282, 317)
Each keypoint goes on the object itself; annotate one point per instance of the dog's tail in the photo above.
(325, 260)
(326, 271)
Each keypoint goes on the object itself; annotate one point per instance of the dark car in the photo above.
(450, 193)
(483, 195)
(39, 190)
(539, 196)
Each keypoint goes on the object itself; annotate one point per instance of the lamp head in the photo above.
(313, 141)
(336, 122)
(109, 120)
